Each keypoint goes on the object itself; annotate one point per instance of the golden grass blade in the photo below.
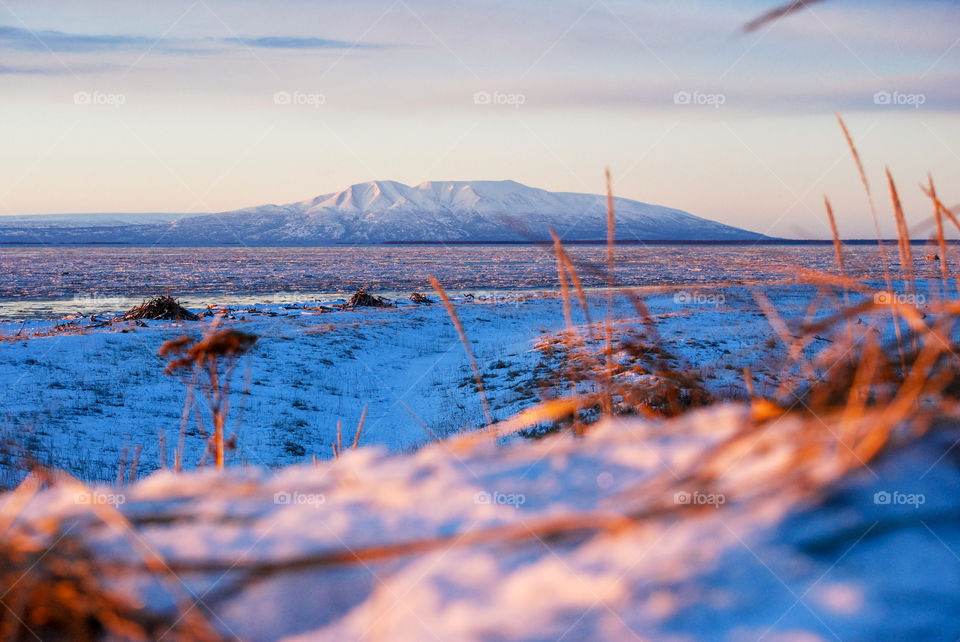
(611, 231)
(578, 286)
(135, 464)
(837, 246)
(857, 400)
(906, 252)
(339, 438)
(748, 381)
(876, 227)
(793, 343)
(611, 282)
(866, 186)
(356, 438)
(776, 321)
(123, 466)
(907, 396)
(903, 233)
(562, 275)
(946, 212)
(941, 241)
(162, 447)
(466, 345)
(547, 411)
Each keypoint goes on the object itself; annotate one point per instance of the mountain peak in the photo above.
(486, 210)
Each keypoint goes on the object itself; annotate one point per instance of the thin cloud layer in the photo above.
(26, 40)
(280, 42)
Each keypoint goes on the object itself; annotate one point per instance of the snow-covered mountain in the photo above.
(388, 211)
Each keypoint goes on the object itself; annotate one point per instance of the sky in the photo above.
(208, 105)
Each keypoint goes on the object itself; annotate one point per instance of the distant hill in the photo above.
(391, 212)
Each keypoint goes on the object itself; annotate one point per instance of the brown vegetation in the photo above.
(163, 308)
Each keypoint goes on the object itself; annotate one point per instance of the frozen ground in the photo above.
(529, 541)
(80, 393)
(77, 396)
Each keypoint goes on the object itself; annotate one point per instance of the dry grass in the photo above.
(162, 308)
(466, 346)
(208, 364)
(775, 14)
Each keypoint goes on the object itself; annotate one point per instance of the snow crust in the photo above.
(770, 563)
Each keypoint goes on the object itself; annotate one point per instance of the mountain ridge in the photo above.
(386, 211)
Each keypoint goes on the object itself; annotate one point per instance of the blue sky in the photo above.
(203, 105)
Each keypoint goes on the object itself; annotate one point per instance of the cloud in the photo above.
(281, 42)
(61, 41)
(28, 40)
(14, 70)
(56, 70)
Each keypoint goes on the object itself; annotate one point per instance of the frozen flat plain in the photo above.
(80, 392)
(38, 281)
(77, 396)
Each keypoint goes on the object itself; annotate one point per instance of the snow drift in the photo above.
(609, 536)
